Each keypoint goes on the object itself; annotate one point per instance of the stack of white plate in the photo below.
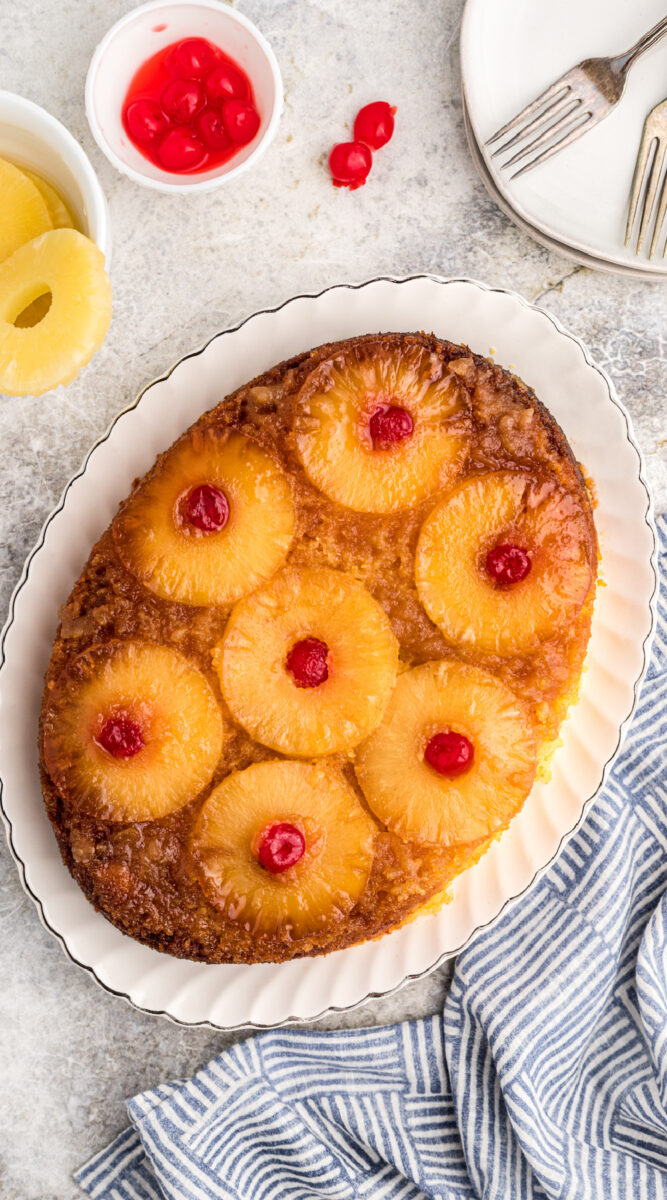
(576, 202)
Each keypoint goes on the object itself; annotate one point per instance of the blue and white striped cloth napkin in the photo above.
(546, 1076)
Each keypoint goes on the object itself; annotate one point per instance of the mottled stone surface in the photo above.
(184, 268)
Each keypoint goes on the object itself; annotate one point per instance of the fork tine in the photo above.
(660, 218)
(659, 222)
(555, 109)
(551, 93)
(563, 124)
(565, 140)
(651, 190)
(641, 164)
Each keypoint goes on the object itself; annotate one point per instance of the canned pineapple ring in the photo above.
(70, 267)
(24, 212)
(61, 217)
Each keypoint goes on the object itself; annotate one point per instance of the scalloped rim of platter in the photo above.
(525, 339)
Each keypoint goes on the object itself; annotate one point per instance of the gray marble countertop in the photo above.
(183, 269)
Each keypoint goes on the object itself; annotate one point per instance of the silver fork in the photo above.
(655, 130)
(571, 106)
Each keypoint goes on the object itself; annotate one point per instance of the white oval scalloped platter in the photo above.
(557, 366)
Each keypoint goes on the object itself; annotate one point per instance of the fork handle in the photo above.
(625, 61)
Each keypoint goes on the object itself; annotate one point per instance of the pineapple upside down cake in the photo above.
(319, 658)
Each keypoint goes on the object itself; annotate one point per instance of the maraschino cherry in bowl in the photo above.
(183, 96)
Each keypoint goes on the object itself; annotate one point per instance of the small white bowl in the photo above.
(30, 137)
(142, 33)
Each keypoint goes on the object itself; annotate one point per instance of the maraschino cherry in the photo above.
(182, 99)
(121, 737)
(281, 847)
(211, 129)
(207, 508)
(192, 58)
(390, 424)
(374, 124)
(350, 163)
(226, 82)
(449, 754)
(146, 121)
(241, 120)
(181, 150)
(507, 564)
(307, 662)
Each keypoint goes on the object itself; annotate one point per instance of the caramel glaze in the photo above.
(141, 876)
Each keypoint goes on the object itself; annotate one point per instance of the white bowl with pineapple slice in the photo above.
(55, 295)
(40, 145)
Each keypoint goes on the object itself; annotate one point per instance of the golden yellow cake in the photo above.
(317, 660)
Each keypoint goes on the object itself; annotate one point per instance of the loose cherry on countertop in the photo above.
(449, 754)
(307, 662)
(350, 163)
(207, 508)
(507, 564)
(121, 737)
(388, 425)
(374, 124)
(281, 847)
(190, 107)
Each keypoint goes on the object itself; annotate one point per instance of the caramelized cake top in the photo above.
(296, 560)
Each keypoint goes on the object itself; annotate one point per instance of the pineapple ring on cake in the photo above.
(504, 562)
(211, 522)
(307, 663)
(312, 877)
(24, 212)
(71, 267)
(454, 758)
(132, 731)
(379, 428)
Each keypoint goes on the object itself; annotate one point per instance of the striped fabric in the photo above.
(546, 1077)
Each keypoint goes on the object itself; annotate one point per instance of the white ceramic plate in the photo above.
(586, 260)
(511, 50)
(581, 398)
